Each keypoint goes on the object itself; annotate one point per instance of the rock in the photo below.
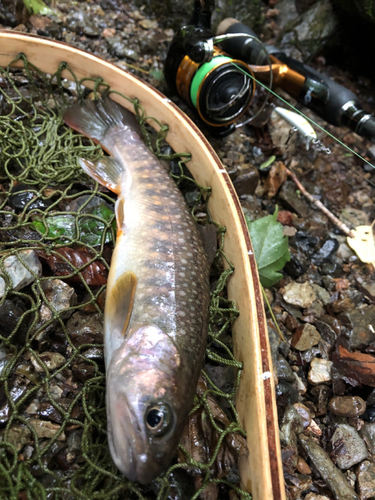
(247, 181)
(326, 252)
(147, 24)
(286, 394)
(52, 360)
(60, 296)
(321, 294)
(320, 371)
(313, 496)
(292, 200)
(347, 406)
(297, 265)
(368, 434)
(347, 446)
(299, 294)
(300, 385)
(302, 466)
(359, 326)
(120, 48)
(10, 314)
(333, 477)
(366, 480)
(305, 337)
(284, 371)
(292, 426)
(17, 391)
(304, 413)
(344, 252)
(45, 429)
(353, 217)
(85, 328)
(84, 371)
(82, 24)
(17, 435)
(18, 274)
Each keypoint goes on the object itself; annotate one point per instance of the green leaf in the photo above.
(268, 162)
(271, 248)
(37, 7)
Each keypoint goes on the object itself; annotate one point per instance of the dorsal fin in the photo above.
(119, 303)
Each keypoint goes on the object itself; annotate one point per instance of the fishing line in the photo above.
(308, 119)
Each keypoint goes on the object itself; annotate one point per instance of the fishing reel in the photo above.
(218, 86)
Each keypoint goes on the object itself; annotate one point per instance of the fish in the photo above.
(157, 300)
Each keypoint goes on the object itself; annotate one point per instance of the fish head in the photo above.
(149, 395)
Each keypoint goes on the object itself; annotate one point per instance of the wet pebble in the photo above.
(247, 181)
(347, 406)
(326, 252)
(18, 199)
(17, 391)
(359, 326)
(17, 435)
(85, 328)
(292, 426)
(292, 200)
(10, 314)
(366, 480)
(82, 24)
(305, 337)
(61, 297)
(52, 360)
(314, 496)
(333, 477)
(19, 275)
(120, 48)
(286, 394)
(304, 413)
(83, 371)
(320, 371)
(299, 294)
(284, 371)
(347, 446)
(367, 433)
(45, 429)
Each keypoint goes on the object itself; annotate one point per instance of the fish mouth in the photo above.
(127, 440)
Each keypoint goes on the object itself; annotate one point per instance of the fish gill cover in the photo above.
(57, 230)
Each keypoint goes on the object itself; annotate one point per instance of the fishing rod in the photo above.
(217, 76)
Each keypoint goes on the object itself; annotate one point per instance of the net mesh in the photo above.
(57, 232)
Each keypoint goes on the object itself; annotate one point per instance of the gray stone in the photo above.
(17, 435)
(320, 371)
(46, 429)
(52, 360)
(304, 413)
(344, 252)
(16, 267)
(292, 426)
(321, 294)
(347, 406)
(288, 194)
(368, 434)
(332, 476)
(299, 294)
(360, 326)
(313, 496)
(366, 480)
(348, 447)
(305, 337)
(353, 217)
(284, 371)
(81, 23)
(305, 35)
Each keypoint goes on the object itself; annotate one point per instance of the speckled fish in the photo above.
(156, 310)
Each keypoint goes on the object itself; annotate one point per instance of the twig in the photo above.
(344, 228)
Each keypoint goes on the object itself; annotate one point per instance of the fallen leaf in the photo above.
(40, 22)
(363, 243)
(94, 273)
(276, 178)
(355, 365)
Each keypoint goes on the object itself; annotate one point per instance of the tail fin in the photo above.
(95, 118)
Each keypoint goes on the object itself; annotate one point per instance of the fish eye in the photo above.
(158, 419)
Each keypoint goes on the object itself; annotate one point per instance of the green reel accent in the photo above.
(202, 72)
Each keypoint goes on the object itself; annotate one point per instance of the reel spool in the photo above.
(218, 86)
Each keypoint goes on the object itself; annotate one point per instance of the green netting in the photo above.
(52, 382)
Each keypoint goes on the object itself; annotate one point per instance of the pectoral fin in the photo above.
(120, 302)
(107, 171)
